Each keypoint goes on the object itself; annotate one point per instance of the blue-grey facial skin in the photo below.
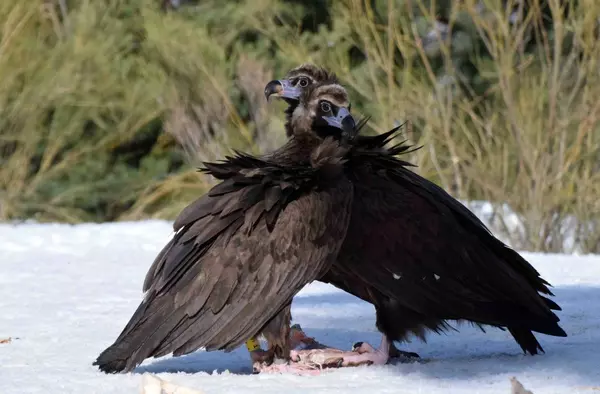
(344, 121)
(283, 89)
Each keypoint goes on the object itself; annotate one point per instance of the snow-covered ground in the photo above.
(67, 291)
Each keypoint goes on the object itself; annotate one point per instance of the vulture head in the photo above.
(323, 110)
(291, 87)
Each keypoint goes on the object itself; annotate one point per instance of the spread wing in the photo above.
(240, 253)
(411, 241)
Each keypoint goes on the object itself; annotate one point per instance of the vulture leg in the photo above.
(258, 355)
(277, 356)
(277, 333)
(368, 355)
(298, 341)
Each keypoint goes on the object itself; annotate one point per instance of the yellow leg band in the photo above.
(252, 344)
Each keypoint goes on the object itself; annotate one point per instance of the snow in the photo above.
(66, 292)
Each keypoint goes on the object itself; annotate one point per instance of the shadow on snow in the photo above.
(339, 320)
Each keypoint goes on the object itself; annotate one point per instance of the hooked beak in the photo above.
(343, 121)
(282, 89)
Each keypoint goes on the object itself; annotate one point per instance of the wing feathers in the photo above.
(226, 272)
(221, 292)
(411, 241)
(224, 187)
(156, 265)
(195, 211)
(193, 230)
(252, 217)
(272, 195)
(213, 228)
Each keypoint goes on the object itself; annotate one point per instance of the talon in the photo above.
(396, 353)
(402, 353)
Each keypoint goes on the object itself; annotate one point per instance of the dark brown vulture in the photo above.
(243, 250)
(417, 254)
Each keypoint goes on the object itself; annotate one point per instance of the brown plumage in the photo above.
(420, 256)
(293, 85)
(244, 249)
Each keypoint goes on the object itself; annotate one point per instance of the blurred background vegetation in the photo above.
(107, 107)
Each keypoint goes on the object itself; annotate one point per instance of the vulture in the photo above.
(418, 255)
(244, 249)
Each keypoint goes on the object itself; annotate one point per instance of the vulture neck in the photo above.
(296, 151)
(288, 119)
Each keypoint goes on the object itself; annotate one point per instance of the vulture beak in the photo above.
(282, 89)
(343, 121)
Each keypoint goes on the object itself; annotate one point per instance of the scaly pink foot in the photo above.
(368, 355)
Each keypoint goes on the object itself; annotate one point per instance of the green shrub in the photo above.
(107, 107)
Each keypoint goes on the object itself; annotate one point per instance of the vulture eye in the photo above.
(303, 82)
(325, 107)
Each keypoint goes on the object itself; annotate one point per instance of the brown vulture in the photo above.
(244, 249)
(416, 253)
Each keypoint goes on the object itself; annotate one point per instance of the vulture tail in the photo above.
(551, 304)
(526, 340)
(520, 322)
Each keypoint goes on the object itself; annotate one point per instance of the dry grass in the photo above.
(531, 140)
(528, 136)
(62, 103)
